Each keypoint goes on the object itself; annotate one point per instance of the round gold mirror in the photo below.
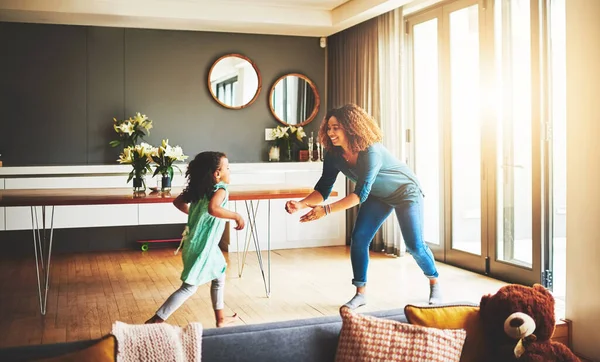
(294, 100)
(234, 81)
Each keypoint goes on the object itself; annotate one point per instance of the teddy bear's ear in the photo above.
(541, 289)
(484, 301)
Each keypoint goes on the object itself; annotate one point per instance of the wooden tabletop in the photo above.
(105, 196)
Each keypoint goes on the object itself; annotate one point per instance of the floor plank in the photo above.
(90, 291)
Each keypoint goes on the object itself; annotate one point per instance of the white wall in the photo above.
(583, 175)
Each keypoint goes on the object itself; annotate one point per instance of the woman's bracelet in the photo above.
(327, 209)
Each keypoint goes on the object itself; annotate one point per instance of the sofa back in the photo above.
(303, 340)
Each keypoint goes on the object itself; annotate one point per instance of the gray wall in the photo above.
(61, 86)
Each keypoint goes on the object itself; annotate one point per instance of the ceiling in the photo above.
(280, 17)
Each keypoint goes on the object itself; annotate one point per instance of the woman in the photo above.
(351, 138)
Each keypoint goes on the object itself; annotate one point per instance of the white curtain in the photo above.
(391, 41)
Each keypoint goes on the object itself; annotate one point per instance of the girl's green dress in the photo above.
(203, 261)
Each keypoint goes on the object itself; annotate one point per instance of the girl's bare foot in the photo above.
(154, 319)
(225, 321)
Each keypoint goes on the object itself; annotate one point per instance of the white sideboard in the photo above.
(285, 230)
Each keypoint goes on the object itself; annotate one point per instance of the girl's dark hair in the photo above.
(361, 128)
(201, 182)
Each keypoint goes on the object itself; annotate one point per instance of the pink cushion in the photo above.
(366, 338)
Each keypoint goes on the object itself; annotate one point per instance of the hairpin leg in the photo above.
(252, 233)
(42, 247)
(249, 237)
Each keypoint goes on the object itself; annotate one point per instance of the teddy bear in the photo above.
(518, 322)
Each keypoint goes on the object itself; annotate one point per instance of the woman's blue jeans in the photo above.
(371, 215)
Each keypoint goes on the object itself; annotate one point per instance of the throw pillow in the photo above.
(367, 338)
(158, 342)
(105, 350)
(453, 317)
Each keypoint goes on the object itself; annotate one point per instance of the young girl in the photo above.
(204, 200)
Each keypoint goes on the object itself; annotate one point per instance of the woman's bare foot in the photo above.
(154, 319)
(225, 321)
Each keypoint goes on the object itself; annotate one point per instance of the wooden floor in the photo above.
(90, 291)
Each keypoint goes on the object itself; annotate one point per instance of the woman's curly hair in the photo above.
(201, 182)
(360, 127)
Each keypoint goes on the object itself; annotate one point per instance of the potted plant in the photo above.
(138, 157)
(130, 130)
(163, 157)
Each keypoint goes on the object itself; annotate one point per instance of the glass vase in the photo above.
(274, 153)
(165, 184)
(139, 185)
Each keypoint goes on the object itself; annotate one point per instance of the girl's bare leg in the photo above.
(222, 320)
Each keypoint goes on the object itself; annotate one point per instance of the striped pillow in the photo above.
(367, 338)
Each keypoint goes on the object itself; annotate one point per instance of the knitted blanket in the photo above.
(158, 342)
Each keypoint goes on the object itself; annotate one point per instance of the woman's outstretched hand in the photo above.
(293, 206)
(317, 212)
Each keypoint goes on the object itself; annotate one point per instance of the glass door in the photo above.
(463, 29)
(426, 145)
(446, 147)
(517, 141)
(476, 145)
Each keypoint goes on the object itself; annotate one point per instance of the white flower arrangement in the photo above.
(139, 158)
(131, 129)
(284, 135)
(164, 156)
